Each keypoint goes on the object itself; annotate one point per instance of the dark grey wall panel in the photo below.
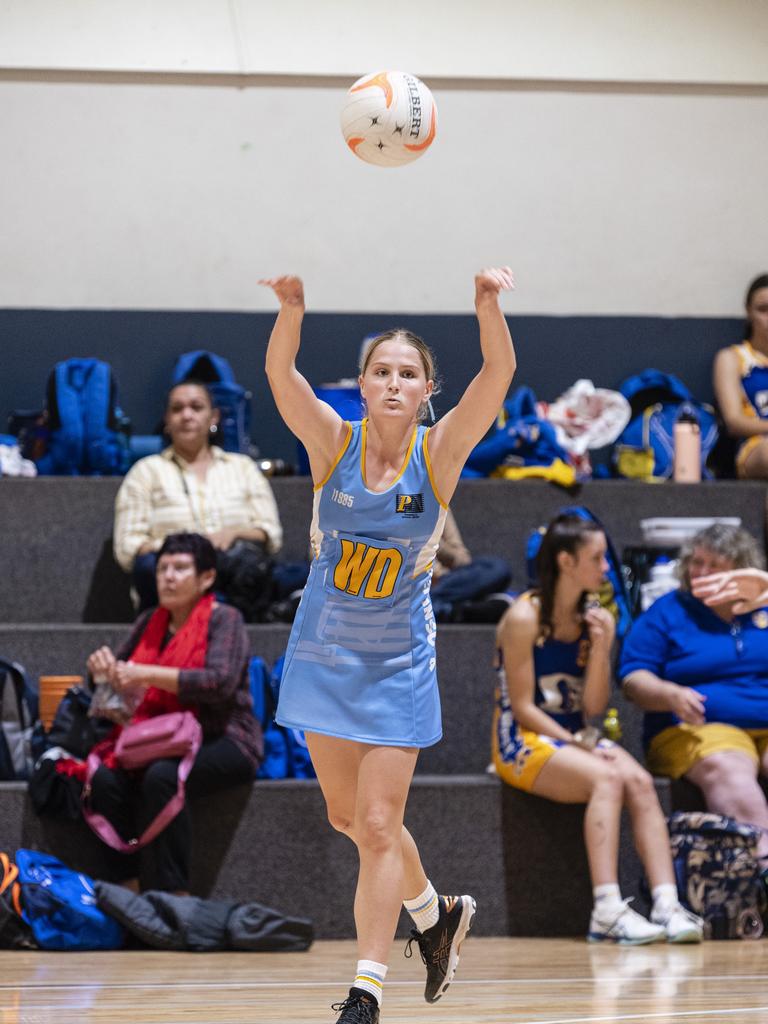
(143, 345)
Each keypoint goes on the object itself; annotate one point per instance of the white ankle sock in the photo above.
(607, 897)
(664, 898)
(424, 909)
(370, 978)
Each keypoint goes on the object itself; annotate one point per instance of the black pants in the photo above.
(132, 800)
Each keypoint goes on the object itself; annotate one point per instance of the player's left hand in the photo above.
(489, 283)
(601, 626)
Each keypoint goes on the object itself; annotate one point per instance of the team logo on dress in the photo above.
(760, 619)
(409, 505)
(364, 568)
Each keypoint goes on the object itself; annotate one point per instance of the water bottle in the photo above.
(687, 440)
(663, 569)
(612, 725)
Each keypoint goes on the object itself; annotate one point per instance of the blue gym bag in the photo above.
(285, 750)
(61, 907)
(84, 421)
(645, 450)
(231, 399)
(521, 445)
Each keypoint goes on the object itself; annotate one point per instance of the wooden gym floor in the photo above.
(546, 981)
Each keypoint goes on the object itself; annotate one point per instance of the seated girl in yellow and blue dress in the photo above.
(741, 386)
(554, 672)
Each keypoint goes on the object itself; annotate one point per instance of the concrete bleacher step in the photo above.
(522, 858)
(465, 670)
(55, 545)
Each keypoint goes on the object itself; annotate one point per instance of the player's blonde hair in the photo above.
(425, 353)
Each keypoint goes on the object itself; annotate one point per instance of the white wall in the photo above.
(594, 40)
(171, 191)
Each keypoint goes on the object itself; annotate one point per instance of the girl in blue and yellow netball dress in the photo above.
(554, 673)
(741, 386)
(360, 670)
(361, 659)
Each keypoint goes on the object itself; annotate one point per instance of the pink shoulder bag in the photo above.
(177, 734)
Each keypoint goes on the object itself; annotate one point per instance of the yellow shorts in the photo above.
(745, 451)
(674, 751)
(524, 756)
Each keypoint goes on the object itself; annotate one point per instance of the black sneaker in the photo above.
(358, 1008)
(439, 945)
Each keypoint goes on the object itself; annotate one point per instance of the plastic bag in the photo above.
(107, 703)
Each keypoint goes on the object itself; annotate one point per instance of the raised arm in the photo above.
(453, 438)
(730, 397)
(319, 427)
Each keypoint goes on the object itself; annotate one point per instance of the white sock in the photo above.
(424, 909)
(665, 899)
(607, 898)
(370, 978)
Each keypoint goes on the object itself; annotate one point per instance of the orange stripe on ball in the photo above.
(379, 80)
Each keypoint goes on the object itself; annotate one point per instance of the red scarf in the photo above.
(186, 649)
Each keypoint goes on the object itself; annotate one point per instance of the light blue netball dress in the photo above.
(360, 662)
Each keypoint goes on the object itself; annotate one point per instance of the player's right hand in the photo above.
(289, 289)
(491, 281)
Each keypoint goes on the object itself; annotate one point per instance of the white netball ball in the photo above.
(389, 118)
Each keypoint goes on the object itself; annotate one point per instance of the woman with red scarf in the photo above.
(192, 654)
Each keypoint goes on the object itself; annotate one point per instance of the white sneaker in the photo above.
(625, 927)
(680, 925)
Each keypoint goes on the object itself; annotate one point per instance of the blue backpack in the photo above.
(61, 907)
(645, 449)
(614, 594)
(285, 750)
(231, 399)
(86, 426)
(522, 445)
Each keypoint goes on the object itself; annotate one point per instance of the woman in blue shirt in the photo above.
(700, 673)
